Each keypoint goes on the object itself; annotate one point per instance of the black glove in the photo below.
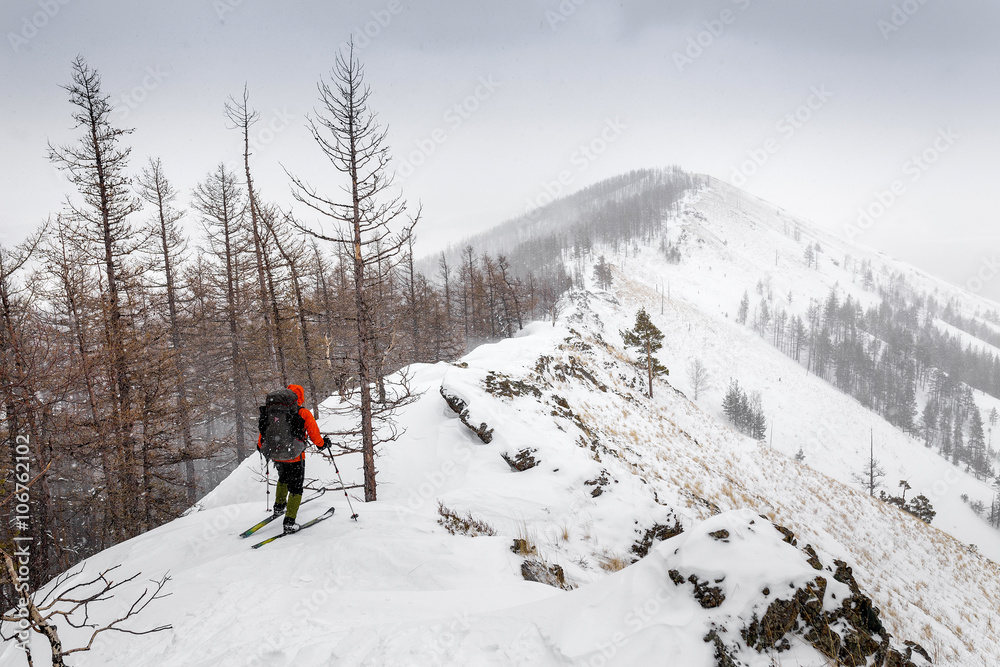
(326, 442)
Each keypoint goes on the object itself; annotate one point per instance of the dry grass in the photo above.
(463, 524)
(611, 562)
(526, 542)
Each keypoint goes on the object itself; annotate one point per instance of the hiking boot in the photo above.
(290, 525)
(278, 510)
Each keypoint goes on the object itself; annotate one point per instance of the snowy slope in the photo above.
(734, 240)
(395, 588)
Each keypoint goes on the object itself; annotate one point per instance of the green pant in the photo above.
(291, 477)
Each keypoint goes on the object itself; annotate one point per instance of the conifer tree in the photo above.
(602, 273)
(647, 339)
(731, 402)
(929, 418)
(977, 445)
(741, 314)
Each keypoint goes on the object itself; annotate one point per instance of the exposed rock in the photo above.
(722, 656)
(851, 634)
(789, 535)
(573, 368)
(598, 483)
(708, 596)
(825, 609)
(845, 575)
(813, 558)
(658, 533)
(483, 431)
(454, 402)
(522, 461)
(552, 575)
(913, 647)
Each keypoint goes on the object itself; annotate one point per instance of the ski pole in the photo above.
(354, 515)
(267, 481)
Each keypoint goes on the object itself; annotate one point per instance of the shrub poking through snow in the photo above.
(524, 543)
(499, 384)
(463, 524)
(919, 506)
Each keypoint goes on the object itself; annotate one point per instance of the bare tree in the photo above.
(370, 223)
(872, 474)
(699, 376)
(98, 167)
(292, 253)
(222, 206)
(28, 361)
(411, 301)
(154, 187)
(242, 117)
(72, 605)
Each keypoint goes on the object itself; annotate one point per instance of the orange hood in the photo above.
(299, 391)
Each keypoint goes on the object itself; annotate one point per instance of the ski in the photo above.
(250, 531)
(325, 515)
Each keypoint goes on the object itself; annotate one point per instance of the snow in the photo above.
(395, 588)
(832, 428)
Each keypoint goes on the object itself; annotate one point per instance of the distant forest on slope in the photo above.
(884, 355)
(623, 209)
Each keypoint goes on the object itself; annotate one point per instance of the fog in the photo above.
(876, 120)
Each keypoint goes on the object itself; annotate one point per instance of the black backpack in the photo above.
(282, 430)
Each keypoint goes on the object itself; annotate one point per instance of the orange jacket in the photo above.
(312, 428)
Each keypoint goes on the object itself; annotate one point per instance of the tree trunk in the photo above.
(239, 113)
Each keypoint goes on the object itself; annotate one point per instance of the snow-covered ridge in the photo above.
(397, 588)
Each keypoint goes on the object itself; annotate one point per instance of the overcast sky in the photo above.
(823, 107)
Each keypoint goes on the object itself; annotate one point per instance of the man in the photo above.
(291, 464)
